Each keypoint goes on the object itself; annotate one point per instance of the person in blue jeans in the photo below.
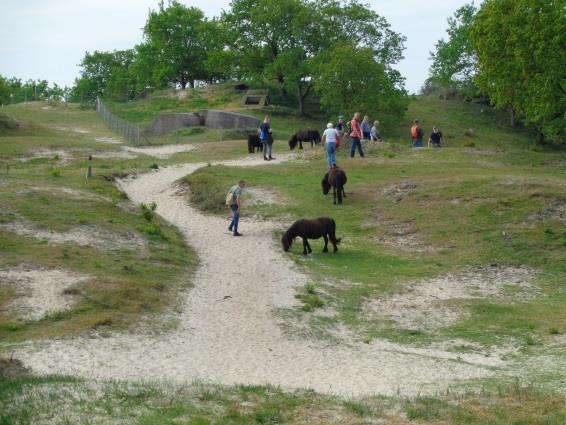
(330, 137)
(266, 139)
(235, 206)
(356, 135)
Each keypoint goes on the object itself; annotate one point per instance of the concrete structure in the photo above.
(210, 118)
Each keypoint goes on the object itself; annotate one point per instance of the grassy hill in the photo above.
(491, 202)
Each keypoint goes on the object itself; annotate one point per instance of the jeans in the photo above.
(356, 142)
(267, 148)
(235, 218)
(330, 154)
(417, 143)
(367, 135)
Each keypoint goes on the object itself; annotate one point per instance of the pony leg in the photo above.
(325, 249)
(334, 193)
(308, 246)
(340, 190)
(305, 246)
(343, 192)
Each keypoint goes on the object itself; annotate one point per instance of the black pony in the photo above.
(335, 178)
(301, 136)
(254, 143)
(311, 229)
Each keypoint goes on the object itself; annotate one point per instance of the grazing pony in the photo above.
(311, 229)
(335, 178)
(301, 136)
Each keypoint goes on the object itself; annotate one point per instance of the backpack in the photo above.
(229, 197)
(414, 132)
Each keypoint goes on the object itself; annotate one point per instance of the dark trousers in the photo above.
(356, 143)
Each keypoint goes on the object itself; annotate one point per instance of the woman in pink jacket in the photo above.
(356, 135)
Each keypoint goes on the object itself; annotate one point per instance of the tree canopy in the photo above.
(521, 56)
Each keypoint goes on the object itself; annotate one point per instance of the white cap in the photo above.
(329, 125)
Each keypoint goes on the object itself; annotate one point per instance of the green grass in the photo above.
(125, 284)
(497, 202)
(52, 399)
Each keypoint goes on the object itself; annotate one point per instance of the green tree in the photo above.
(281, 40)
(454, 60)
(349, 79)
(106, 74)
(521, 57)
(174, 46)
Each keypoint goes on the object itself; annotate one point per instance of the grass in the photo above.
(489, 197)
(126, 286)
(53, 399)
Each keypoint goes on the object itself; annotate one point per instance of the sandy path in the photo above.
(237, 339)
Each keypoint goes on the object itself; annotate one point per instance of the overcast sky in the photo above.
(46, 39)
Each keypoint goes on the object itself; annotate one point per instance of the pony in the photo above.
(301, 136)
(254, 143)
(311, 229)
(335, 178)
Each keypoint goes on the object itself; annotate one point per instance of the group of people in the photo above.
(356, 129)
(435, 138)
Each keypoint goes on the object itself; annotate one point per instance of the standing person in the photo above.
(366, 130)
(356, 135)
(266, 139)
(417, 135)
(235, 205)
(331, 137)
(435, 137)
(374, 132)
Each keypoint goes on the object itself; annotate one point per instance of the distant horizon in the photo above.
(55, 49)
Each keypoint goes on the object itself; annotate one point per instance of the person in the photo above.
(339, 126)
(235, 205)
(356, 135)
(366, 130)
(331, 137)
(374, 132)
(435, 137)
(417, 135)
(266, 140)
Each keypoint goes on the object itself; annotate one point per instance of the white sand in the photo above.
(39, 291)
(228, 333)
(161, 151)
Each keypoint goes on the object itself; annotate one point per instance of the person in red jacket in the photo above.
(356, 135)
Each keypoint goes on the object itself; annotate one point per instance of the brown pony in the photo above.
(311, 229)
(335, 178)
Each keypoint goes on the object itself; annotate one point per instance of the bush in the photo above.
(206, 193)
(148, 211)
(238, 133)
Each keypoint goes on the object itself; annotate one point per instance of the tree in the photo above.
(280, 40)
(521, 57)
(174, 47)
(454, 61)
(349, 79)
(108, 74)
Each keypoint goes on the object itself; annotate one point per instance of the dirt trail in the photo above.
(228, 333)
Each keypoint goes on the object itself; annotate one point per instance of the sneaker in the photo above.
(265, 158)
(238, 234)
(271, 158)
(229, 228)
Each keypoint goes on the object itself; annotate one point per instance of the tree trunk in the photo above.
(512, 117)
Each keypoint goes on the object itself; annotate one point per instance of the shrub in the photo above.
(148, 212)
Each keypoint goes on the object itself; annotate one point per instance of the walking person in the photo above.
(435, 137)
(330, 137)
(374, 132)
(356, 135)
(266, 138)
(417, 135)
(235, 205)
(366, 130)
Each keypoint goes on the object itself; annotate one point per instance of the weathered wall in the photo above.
(211, 118)
(222, 119)
(165, 123)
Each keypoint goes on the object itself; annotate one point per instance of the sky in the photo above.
(47, 39)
